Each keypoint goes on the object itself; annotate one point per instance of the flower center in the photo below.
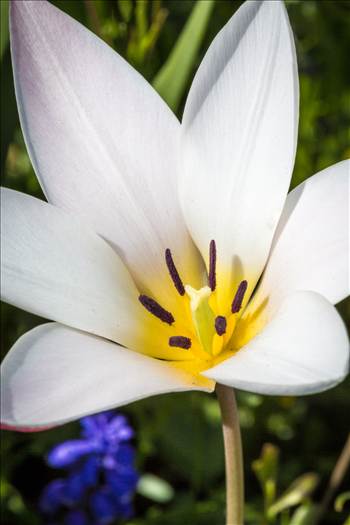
(208, 330)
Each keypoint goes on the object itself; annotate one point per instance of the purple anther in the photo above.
(180, 341)
(212, 265)
(220, 325)
(174, 274)
(154, 308)
(238, 299)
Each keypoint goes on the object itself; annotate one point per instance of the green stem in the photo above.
(233, 455)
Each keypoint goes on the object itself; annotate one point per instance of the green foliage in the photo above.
(304, 515)
(298, 491)
(144, 34)
(173, 77)
(339, 503)
(341, 500)
(11, 499)
(294, 506)
(178, 437)
(155, 488)
(125, 8)
(323, 38)
(266, 468)
(297, 494)
(4, 29)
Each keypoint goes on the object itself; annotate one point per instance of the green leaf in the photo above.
(4, 27)
(299, 490)
(13, 507)
(154, 488)
(141, 17)
(265, 469)
(125, 8)
(341, 500)
(266, 466)
(146, 31)
(304, 515)
(171, 80)
(148, 41)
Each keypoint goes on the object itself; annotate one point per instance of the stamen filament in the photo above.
(174, 274)
(180, 342)
(217, 344)
(238, 298)
(154, 308)
(231, 325)
(212, 265)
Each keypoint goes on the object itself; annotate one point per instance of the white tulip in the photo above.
(156, 233)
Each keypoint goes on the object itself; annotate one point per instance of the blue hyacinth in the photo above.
(100, 476)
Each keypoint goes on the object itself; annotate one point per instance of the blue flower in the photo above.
(100, 476)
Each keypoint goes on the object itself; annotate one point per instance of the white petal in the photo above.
(303, 350)
(311, 247)
(54, 374)
(102, 142)
(54, 266)
(240, 129)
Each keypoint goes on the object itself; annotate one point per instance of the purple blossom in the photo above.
(100, 476)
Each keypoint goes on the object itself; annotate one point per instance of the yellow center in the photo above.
(199, 328)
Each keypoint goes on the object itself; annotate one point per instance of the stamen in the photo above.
(220, 325)
(154, 308)
(174, 274)
(180, 341)
(238, 299)
(212, 265)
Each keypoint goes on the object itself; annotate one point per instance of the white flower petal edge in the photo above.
(310, 250)
(54, 374)
(239, 138)
(304, 350)
(53, 265)
(102, 142)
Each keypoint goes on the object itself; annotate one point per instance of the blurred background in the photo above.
(179, 452)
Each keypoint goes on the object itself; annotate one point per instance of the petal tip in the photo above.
(15, 428)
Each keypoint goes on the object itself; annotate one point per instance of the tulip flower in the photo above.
(169, 256)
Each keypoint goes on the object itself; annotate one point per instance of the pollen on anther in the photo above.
(154, 308)
(220, 324)
(180, 341)
(238, 298)
(212, 265)
(174, 274)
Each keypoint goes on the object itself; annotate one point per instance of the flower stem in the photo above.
(233, 455)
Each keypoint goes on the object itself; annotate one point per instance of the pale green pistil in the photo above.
(202, 315)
